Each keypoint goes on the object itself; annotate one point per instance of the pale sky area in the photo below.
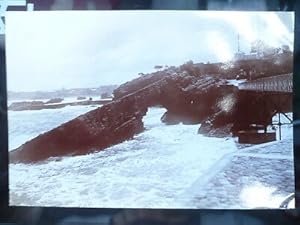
(50, 50)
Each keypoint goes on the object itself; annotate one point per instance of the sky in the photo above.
(51, 50)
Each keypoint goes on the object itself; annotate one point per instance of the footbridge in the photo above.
(275, 96)
(279, 83)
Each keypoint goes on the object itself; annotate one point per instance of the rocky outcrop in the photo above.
(247, 108)
(188, 97)
(95, 130)
(209, 130)
(54, 100)
(18, 106)
(259, 108)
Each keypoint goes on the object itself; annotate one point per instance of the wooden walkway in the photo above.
(279, 83)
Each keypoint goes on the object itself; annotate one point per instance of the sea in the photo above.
(154, 169)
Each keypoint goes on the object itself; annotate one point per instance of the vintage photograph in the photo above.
(150, 109)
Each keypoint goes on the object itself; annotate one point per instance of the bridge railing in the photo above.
(279, 83)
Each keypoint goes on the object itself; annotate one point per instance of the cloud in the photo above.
(48, 50)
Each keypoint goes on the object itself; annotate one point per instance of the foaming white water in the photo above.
(149, 171)
(25, 125)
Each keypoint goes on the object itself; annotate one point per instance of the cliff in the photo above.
(190, 98)
(187, 98)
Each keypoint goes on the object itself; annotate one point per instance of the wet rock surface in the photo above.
(54, 100)
(17, 106)
(189, 98)
(95, 130)
(220, 132)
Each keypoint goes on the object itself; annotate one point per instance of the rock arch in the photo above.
(190, 99)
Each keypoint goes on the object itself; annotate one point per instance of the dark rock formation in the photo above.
(207, 129)
(54, 100)
(259, 108)
(248, 108)
(17, 106)
(138, 83)
(95, 130)
(189, 97)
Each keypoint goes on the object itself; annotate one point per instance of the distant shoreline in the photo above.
(28, 105)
